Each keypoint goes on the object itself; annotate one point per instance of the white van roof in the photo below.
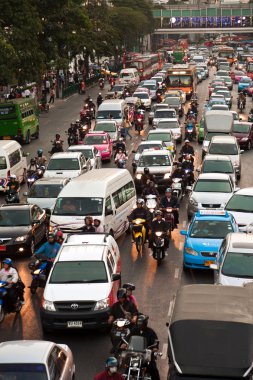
(94, 182)
(110, 104)
(9, 144)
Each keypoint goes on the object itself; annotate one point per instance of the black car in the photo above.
(22, 228)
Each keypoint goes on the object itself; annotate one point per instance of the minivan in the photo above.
(112, 109)
(12, 161)
(129, 76)
(106, 194)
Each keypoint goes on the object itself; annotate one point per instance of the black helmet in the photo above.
(129, 286)
(146, 170)
(142, 320)
(121, 293)
(57, 135)
(32, 161)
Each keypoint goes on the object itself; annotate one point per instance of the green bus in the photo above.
(18, 120)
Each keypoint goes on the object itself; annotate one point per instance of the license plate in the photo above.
(6, 137)
(177, 186)
(2, 248)
(75, 324)
(207, 263)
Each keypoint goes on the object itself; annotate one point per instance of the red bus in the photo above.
(148, 65)
(249, 67)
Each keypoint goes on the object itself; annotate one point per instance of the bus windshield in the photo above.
(180, 80)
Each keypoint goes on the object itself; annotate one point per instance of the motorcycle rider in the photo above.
(123, 308)
(13, 186)
(57, 144)
(170, 201)
(142, 329)
(129, 289)
(147, 176)
(10, 275)
(111, 371)
(187, 164)
(159, 224)
(41, 160)
(186, 149)
(120, 145)
(32, 168)
(88, 227)
(141, 213)
(49, 250)
(120, 156)
(59, 237)
(241, 97)
(73, 131)
(99, 99)
(150, 189)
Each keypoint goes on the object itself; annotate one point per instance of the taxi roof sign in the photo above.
(213, 212)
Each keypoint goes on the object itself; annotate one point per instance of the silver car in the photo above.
(160, 106)
(210, 191)
(218, 164)
(174, 126)
(36, 359)
(89, 152)
(162, 114)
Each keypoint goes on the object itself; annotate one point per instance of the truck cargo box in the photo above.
(219, 121)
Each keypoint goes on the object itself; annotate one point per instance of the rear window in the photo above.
(227, 149)
(95, 140)
(63, 164)
(44, 191)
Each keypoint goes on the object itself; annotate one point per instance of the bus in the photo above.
(228, 53)
(18, 120)
(182, 77)
(249, 67)
(148, 65)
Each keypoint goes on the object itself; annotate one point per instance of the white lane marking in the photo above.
(176, 273)
(181, 244)
(164, 351)
(170, 309)
(184, 224)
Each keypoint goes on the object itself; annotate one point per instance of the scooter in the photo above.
(38, 272)
(151, 202)
(139, 233)
(120, 331)
(101, 83)
(57, 146)
(11, 196)
(158, 249)
(169, 218)
(72, 139)
(189, 132)
(177, 188)
(139, 123)
(121, 164)
(5, 308)
(240, 105)
(32, 176)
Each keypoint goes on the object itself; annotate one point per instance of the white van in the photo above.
(129, 76)
(106, 194)
(12, 161)
(114, 108)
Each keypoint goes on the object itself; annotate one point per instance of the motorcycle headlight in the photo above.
(139, 175)
(158, 233)
(166, 176)
(102, 304)
(191, 251)
(21, 238)
(48, 305)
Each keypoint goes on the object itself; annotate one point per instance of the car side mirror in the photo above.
(25, 194)
(240, 118)
(241, 151)
(84, 166)
(116, 276)
(183, 232)
(97, 155)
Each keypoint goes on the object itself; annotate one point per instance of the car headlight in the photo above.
(48, 305)
(21, 238)
(193, 202)
(244, 139)
(102, 304)
(236, 163)
(166, 176)
(139, 175)
(191, 251)
(105, 150)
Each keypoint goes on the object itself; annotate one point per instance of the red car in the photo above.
(243, 131)
(103, 143)
(237, 75)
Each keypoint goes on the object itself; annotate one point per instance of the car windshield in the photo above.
(106, 127)
(21, 371)
(86, 152)
(211, 229)
(76, 272)
(218, 167)
(227, 149)
(143, 147)
(240, 203)
(14, 218)
(155, 160)
(212, 186)
(238, 264)
(168, 124)
(118, 87)
(172, 101)
(245, 80)
(3, 163)
(45, 191)
(142, 95)
(225, 93)
(160, 136)
(241, 128)
(109, 114)
(150, 86)
(162, 114)
(78, 206)
(63, 164)
(219, 107)
(95, 140)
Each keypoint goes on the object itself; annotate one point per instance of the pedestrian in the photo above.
(83, 87)
(52, 95)
(125, 128)
(47, 85)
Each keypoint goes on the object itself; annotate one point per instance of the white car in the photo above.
(163, 113)
(145, 98)
(240, 205)
(173, 125)
(67, 164)
(210, 191)
(36, 360)
(90, 152)
(146, 145)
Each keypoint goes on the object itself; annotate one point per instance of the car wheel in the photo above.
(28, 138)
(32, 247)
(249, 145)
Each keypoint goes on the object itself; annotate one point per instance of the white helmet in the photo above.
(13, 176)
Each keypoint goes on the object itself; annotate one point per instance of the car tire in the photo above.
(249, 145)
(32, 247)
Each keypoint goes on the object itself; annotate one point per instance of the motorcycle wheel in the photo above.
(2, 313)
(138, 244)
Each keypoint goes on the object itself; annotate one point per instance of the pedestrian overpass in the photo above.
(194, 19)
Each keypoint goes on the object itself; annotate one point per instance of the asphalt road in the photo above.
(155, 286)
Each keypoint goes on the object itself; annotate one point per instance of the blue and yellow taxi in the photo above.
(204, 236)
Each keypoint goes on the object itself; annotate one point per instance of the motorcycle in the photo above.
(151, 202)
(101, 83)
(136, 358)
(121, 164)
(32, 176)
(240, 105)
(38, 272)
(57, 146)
(177, 188)
(189, 132)
(72, 139)
(158, 248)
(139, 123)
(43, 107)
(12, 196)
(4, 307)
(139, 233)
(169, 219)
(119, 332)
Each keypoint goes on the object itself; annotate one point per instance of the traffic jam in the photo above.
(128, 237)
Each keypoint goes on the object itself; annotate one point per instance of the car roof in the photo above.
(150, 142)
(213, 176)
(17, 206)
(241, 122)
(213, 157)
(67, 154)
(224, 139)
(151, 152)
(97, 133)
(51, 181)
(78, 147)
(163, 109)
(238, 240)
(245, 191)
(86, 252)
(212, 215)
(159, 130)
(24, 351)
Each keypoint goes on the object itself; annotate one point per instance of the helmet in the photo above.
(72, 124)
(51, 235)
(57, 135)
(13, 176)
(59, 234)
(32, 161)
(187, 141)
(146, 170)
(111, 362)
(7, 261)
(129, 286)
(40, 152)
(90, 100)
(140, 201)
(99, 93)
(121, 293)
(142, 320)
(158, 212)
(121, 139)
(168, 190)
